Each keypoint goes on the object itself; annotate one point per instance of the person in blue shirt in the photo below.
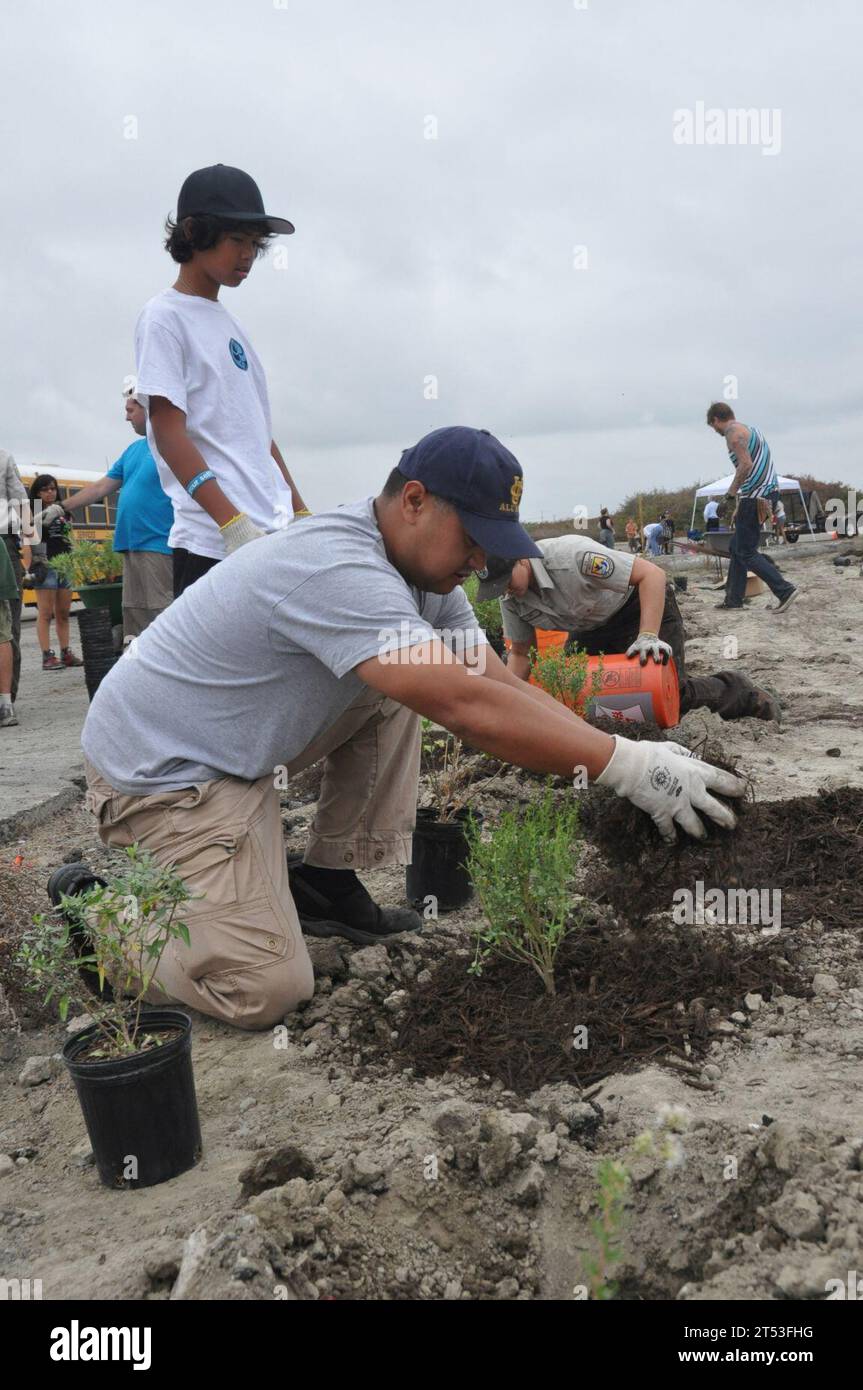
(145, 515)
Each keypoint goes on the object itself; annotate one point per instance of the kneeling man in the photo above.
(329, 640)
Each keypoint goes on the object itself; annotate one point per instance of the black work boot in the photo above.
(353, 914)
(70, 879)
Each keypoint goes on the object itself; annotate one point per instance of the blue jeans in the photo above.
(745, 556)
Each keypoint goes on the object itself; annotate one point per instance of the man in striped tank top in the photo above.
(753, 483)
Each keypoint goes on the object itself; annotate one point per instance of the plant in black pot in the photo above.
(437, 879)
(132, 1064)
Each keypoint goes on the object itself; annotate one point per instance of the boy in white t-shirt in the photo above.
(202, 385)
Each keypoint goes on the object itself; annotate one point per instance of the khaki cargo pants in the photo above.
(247, 963)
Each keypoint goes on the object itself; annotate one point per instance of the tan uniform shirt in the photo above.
(582, 585)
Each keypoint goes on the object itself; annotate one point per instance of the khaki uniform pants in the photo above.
(247, 963)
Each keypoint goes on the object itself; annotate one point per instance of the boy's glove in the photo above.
(665, 780)
(648, 644)
(51, 513)
(239, 531)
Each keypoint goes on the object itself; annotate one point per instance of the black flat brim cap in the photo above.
(274, 224)
(223, 191)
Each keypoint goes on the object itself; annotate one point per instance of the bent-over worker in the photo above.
(610, 604)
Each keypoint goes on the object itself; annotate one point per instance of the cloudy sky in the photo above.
(554, 264)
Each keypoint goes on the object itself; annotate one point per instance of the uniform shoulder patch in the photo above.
(595, 565)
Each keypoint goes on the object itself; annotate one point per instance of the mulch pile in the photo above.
(623, 986)
(626, 983)
(810, 848)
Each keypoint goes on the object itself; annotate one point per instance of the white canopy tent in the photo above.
(721, 486)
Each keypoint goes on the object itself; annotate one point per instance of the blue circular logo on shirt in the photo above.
(239, 355)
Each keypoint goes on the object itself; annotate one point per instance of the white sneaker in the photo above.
(8, 717)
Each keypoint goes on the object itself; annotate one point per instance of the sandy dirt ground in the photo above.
(374, 1183)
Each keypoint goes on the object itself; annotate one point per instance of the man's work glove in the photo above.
(648, 644)
(303, 512)
(665, 780)
(51, 513)
(239, 531)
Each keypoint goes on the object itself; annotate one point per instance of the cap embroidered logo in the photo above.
(239, 356)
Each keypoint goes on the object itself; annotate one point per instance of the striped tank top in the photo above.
(762, 478)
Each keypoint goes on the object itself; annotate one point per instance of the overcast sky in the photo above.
(451, 258)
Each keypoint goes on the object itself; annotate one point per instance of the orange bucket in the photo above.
(628, 692)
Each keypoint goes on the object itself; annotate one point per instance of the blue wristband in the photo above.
(200, 478)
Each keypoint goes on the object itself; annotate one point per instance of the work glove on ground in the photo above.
(648, 644)
(239, 532)
(667, 782)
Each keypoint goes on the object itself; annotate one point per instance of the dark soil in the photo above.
(98, 1050)
(625, 987)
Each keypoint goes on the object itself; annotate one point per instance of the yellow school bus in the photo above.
(93, 523)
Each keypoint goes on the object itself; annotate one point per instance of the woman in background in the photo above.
(53, 595)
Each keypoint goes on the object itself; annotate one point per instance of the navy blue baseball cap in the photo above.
(483, 481)
(227, 192)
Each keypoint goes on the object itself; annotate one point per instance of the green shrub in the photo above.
(564, 675)
(89, 562)
(129, 922)
(487, 611)
(522, 873)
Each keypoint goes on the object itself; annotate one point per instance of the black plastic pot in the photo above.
(681, 582)
(141, 1107)
(97, 646)
(437, 870)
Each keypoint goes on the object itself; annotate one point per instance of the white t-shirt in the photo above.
(193, 352)
(711, 511)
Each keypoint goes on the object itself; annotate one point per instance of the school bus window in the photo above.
(63, 491)
(96, 514)
(112, 510)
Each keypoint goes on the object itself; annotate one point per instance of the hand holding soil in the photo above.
(666, 781)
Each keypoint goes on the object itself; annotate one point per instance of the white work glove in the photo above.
(51, 513)
(239, 532)
(648, 644)
(667, 782)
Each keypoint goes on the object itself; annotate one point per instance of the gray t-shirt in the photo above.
(256, 659)
(581, 585)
